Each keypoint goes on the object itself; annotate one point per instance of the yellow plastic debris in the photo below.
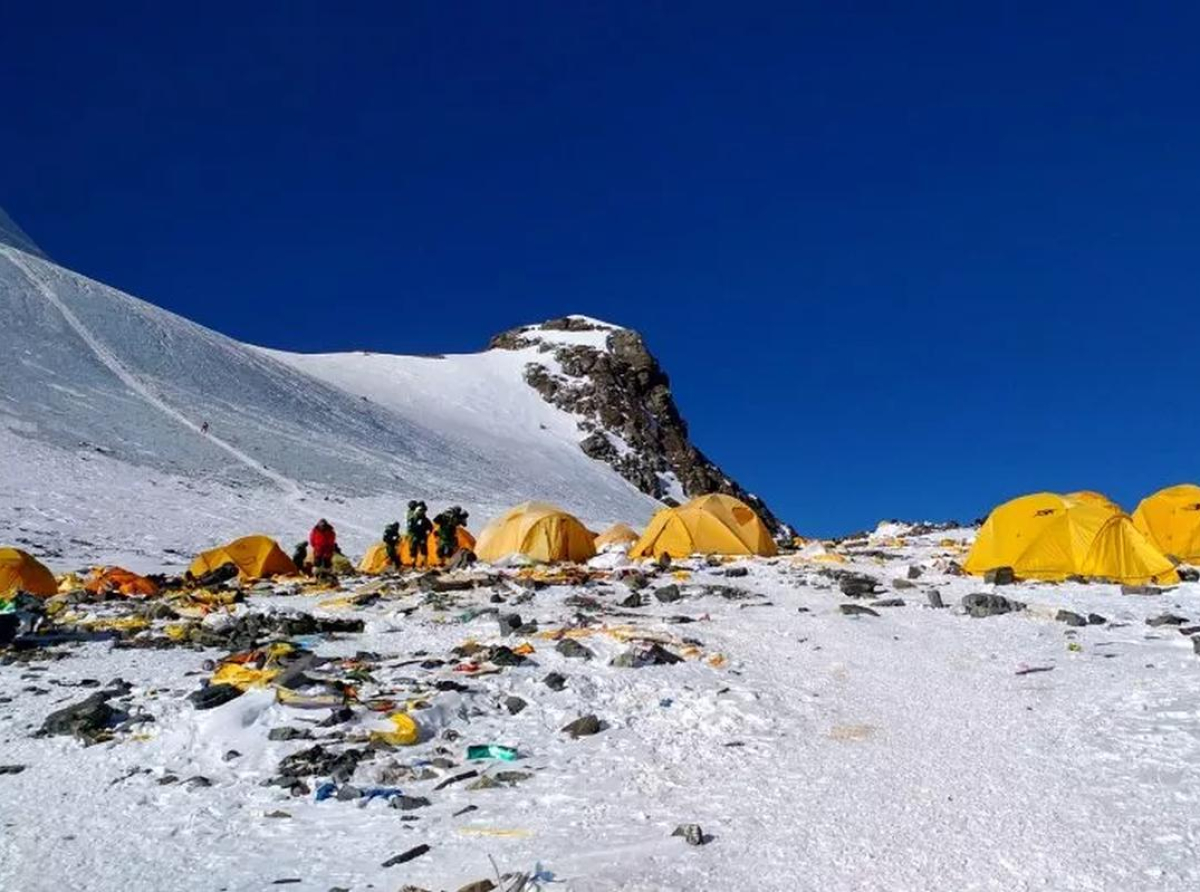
(243, 677)
(176, 631)
(119, 624)
(406, 732)
(717, 661)
(524, 649)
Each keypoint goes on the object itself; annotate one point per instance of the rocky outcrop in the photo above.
(626, 414)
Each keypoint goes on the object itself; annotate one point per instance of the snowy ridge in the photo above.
(102, 379)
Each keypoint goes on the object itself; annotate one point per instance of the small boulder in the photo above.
(981, 605)
(555, 681)
(573, 650)
(632, 600)
(509, 623)
(214, 695)
(885, 602)
(1166, 619)
(1095, 619)
(1000, 576)
(934, 597)
(1070, 618)
(856, 610)
(691, 833)
(914, 572)
(514, 704)
(668, 593)
(584, 726)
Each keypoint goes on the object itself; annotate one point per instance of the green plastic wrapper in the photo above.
(491, 751)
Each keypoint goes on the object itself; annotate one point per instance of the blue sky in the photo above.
(899, 259)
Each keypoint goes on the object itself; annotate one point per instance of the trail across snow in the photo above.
(906, 751)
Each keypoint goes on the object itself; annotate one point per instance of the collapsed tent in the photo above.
(539, 531)
(256, 557)
(376, 558)
(1051, 537)
(616, 535)
(22, 572)
(713, 524)
(119, 581)
(1171, 520)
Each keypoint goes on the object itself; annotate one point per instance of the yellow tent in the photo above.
(1096, 498)
(616, 534)
(376, 558)
(256, 557)
(1051, 537)
(1171, 520)
(23, 572)
(538, 531)
(714, 524)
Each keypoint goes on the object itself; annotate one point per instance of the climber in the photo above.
(323, 540)
(391, 542)
(447, 524)
(419, 529)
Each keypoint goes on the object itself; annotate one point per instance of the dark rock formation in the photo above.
(627, 414)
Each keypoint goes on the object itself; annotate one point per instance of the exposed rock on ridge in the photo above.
(623, 400)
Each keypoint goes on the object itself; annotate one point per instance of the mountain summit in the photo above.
(132, 428)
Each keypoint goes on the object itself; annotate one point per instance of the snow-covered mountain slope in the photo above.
(129, 433)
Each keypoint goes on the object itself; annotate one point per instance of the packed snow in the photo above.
(918, 748)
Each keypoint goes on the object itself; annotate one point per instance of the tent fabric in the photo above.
(1171, 520)
(20, 571)
(1051, 537)
(617, 534)
(713, 524)
(376, 558)
(339, 563)
(256, 557)
(1096, 498)
(540, 531)
(118, 580)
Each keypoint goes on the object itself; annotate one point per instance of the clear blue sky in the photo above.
(899, 259)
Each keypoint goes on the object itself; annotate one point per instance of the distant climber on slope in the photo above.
(323, 540)
(419, 529)
(204, 427)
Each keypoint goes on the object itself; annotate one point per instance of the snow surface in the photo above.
(830, 753)
(104, 398)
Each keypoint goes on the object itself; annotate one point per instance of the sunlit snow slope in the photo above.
(102, 453)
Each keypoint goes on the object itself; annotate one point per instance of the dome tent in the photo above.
(616, 535)
(256, 557)
(540, 531)
(1050, 537)
(713, 524)
(1171, 520)
(22, 572)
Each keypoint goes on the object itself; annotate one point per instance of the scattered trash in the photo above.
(491, 751)
(405, 857)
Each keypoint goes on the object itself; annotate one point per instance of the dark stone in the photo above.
(914, 572)
(901, 584)
(318, 761)
(85, 719)
(509, 623)
(1196, 645)
(573, 650)
(477, 886)
(856, 610)
(857, 585)
(1000, 576)
(512, 778)
(466, 775)
(934, 597)
(214, 695)
(1071, 619)
(289, 733)
(514, 705)
(1188, 574)
(1140, 590)
(886, 602)
(636, 581)
(338, 716)
(691, 833)
(504, 656)
(633, 600)
(404, 857)
(668, 593)
(584, 726)
(1095, 619)
(231, 755)
(199, 782)
(555, 681)
(737, 572)
(654, 655)
(1166, 619)
(981, 605)
(11, 769)
(409, 803)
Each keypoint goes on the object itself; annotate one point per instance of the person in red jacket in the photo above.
(323, 540)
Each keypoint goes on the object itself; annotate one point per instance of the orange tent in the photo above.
(106, 580)
(21, 572)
